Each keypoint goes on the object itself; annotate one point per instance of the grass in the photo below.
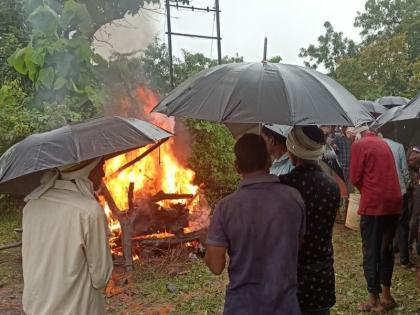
(194, 290)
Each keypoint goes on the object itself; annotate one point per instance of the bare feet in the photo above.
(372, 305)
(387, 300)
(388, 304)
(368, 307)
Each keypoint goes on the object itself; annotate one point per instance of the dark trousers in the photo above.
(319, 312)
(378, 256)
(401, 240)
(415, 218)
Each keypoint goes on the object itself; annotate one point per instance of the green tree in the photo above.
(13, 34)
(332, 47)
(387, 17)
(275, 59)
(381, 68)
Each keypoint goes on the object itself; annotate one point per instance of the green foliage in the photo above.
(275, 59)
(156, 65)
(382, 68)
(13, 34)
(332, 47)
(213, 159)
(387, 17)
(15, 119)
(386, 62)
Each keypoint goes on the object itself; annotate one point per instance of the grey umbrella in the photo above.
(373, 107)
(392, 101)
(401, 123)
(23, 164)
(264, 93)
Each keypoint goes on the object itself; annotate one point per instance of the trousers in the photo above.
(401, 240)
(377, 244)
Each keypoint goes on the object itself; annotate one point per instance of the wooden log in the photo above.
(164, 196)
(11, 245)
(166, 242)
(109, 200)
(126, 222)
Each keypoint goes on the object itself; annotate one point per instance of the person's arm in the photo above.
(215, 258)
(96, 247)
(217, 243)
(356, 165)
(405, 173)
(302, 228)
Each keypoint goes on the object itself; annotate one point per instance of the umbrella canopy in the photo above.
(264, 93)
(401, 123)
(373, 107)
(282, 130)
(392, 101)
(23, 164)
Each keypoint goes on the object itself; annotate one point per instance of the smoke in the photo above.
(182, 142)
(129, 35)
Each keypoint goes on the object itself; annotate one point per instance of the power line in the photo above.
(169, 32)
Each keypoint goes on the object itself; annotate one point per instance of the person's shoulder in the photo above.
(76, 200)
(222, 203)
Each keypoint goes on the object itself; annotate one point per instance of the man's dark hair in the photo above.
(277, 138)
(314, 133)
(251, 153)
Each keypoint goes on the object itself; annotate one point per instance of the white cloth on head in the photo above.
(360, 129)
(78, 173)
(301, 146)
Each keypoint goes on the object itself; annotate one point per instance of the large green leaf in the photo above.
(46, 77)
(76, 15)
(44, 19)
(17, 61)
(59, 83)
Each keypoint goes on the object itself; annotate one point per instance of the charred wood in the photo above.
(166, 242)
(164, 196)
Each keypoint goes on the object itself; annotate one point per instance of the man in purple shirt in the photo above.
(260, 226)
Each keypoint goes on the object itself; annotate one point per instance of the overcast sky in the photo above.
(289, 25)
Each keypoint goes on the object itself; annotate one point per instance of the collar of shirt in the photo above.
(258, 179)
(281, 159)
(66, 185)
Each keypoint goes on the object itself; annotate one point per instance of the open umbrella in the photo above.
(264, 93)
(401, 123)
(23, 164)
(392, 101)
(374, 108)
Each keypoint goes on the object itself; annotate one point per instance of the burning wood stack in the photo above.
(149, 196)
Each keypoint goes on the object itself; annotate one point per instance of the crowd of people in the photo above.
(277, 227)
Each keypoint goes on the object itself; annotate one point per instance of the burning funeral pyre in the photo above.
(149, 196)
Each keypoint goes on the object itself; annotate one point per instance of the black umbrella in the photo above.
(374, 108)
(23, 164)
(401, 123)
(392, 101)
(264, 93)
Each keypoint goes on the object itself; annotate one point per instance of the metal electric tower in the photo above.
(215, 10)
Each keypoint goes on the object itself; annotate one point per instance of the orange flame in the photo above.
(158, 171)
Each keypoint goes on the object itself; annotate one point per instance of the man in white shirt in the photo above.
(65, 252)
